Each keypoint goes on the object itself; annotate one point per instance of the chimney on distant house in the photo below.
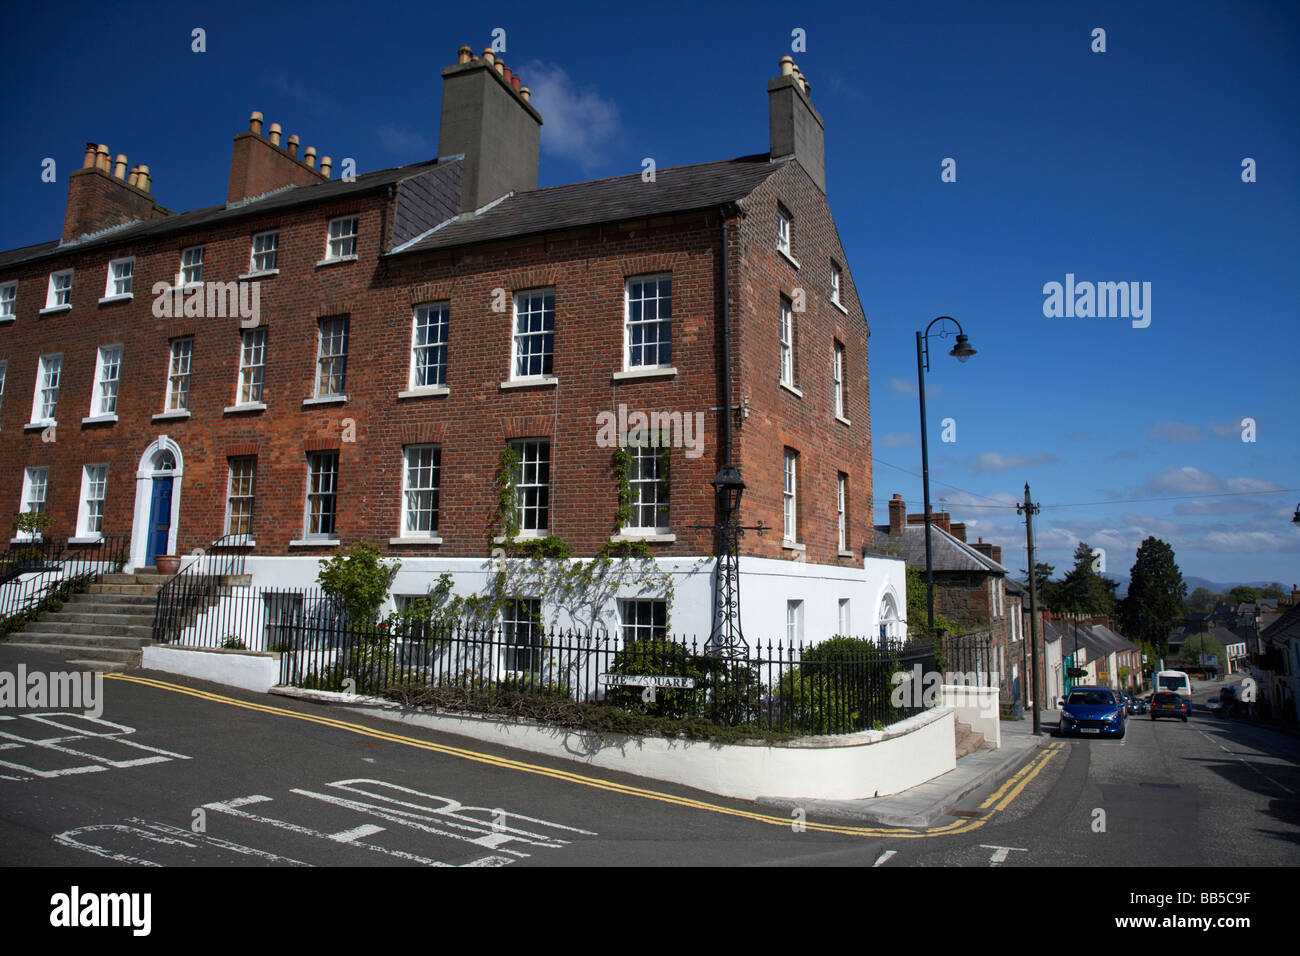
(938, 519)
(102, 194)
(959, 530)
(487, 117)
(795, 128)
(259, 166)
(992, 551)
(897, 514)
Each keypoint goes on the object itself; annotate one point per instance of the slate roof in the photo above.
(676, 189)
(947, 552)
(1286, 627)
(294, 196)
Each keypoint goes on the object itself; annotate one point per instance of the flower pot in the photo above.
(167, 563)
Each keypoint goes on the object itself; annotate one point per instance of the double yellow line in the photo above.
(1003, 796)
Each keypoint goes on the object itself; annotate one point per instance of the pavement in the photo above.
(923, 806)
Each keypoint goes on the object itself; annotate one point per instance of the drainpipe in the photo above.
(726, 345)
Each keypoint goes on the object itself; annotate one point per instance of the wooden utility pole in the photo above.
(1029, 509)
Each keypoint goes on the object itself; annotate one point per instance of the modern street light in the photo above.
(961, 352)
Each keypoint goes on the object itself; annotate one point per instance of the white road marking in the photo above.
(1000, 853)
(356, 833)
(56, 744)
(1248, 764)
(884, 857)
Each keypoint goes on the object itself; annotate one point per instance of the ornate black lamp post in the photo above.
(961, 352)
(727, 639)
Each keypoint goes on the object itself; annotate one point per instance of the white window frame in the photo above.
(643, 619)
(845, 618)
(4, 373)
(787, 343)
(108, 377)
(784, 230)
(191, 271)
(789, 496)
(316, 475)
(650, 495)
(90, 505)
(270, 248)
(538, 489)
(240, 493)
(34, 479)
(521, 616)
(794, 622)
(842, 510)
(837, 277)
(837, 380)
(543, 358)
(59, 295)
(252, 367)
(8, 301)
(433, 488)
(120, 286)
(334, 359)
(337, 240)
(434, 320)
(180, 365)
(662, 327)
(49, 373)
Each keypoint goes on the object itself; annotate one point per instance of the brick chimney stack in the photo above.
(795, 128)
(897, 514)
(959, 530)
(101, 194)
(938, 519)
(258, 165)
(488, 118)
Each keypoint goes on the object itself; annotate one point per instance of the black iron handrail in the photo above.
(33, 570)
(197, 585)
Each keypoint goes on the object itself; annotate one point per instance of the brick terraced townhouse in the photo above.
(320, 362)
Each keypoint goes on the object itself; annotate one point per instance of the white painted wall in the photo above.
(255, 672)
(977, 706)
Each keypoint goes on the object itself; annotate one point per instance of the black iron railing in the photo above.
(197, 585)
(36, 572)
(969, 658)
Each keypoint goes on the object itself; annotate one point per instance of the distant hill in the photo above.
(1192, 582)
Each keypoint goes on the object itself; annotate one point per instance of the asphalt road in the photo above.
(176, 772)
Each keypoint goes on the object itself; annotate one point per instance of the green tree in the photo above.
(1274, 590)
(917, 608)
(1202, 599)
(1199, 644)
(359, 581)
(1047, 588)
(1243, 595)
(1155, 594)
(1083, 589)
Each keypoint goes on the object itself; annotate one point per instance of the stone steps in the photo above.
(968, 741)
(103, 627)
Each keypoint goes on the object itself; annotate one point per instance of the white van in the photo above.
(1176, 682)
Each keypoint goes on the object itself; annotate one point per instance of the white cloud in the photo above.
(988, 461)
(577, 122)
(1177, 433)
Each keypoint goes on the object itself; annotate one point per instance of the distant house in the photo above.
(1277, 668)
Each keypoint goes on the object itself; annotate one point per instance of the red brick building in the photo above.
(319, 362)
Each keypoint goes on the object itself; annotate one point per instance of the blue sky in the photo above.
(1115, 166)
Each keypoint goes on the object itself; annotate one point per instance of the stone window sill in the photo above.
(793, 390)
(171, 416)
(50, 310)
(846, 554)
(110, 299)
(259, 275)
(425, 391)
(839, 305)
(99, 419)
(40, 426)
(789, 258)
(405, 541)
(547, 381)
(635, 373)
(652, 537)
(324, 400)
(842, 420)
(246, 407)
(793, 545)
(314, 543)
(87, 539)
(335, 262)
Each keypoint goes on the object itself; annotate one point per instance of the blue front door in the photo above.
(160, 518)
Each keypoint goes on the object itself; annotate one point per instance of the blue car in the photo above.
(1090, 711)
